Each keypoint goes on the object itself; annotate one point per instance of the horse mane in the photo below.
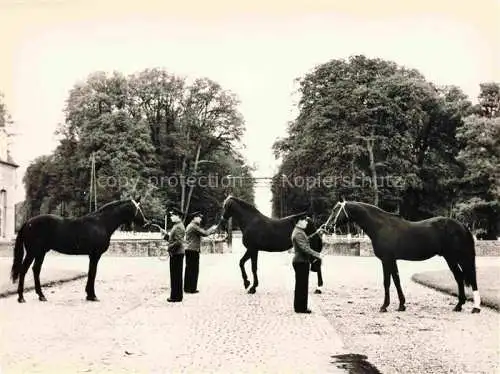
(374, 207)
(296, 215)
(107, 206)
(245, 204)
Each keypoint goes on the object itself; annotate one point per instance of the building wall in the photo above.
(7, 191)
(7, 209)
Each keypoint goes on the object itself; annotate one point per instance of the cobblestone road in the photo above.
(134, 330)
(224, 330)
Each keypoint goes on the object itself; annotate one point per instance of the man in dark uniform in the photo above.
(300, 263)
(194, 232)
(176, 251)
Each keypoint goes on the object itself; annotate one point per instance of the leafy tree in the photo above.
(141, 129)
(381, 131)
(6, 129)
(479, 196)
(489, 100)
(4, 114)
(37, 180)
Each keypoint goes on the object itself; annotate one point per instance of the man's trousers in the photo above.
(176, 267)
(192, 271)
(301, 286)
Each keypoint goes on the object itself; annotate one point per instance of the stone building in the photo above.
(7, 189)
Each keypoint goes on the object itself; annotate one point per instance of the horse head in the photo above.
(138, 216)
(338, 216)
(226, 213)
(314, 235)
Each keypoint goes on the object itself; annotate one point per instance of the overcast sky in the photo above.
(255, 49)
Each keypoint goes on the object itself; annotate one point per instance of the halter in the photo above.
(324, 226)
(138, 210)
(226, 200)
(342, 208)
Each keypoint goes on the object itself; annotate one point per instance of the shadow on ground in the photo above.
(354, 364)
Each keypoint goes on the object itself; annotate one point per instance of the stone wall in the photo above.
(362, 247)
(348, 248)
(152, 247)
(488, 248)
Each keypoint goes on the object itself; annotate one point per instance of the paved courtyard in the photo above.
(224, 330)
(134, 330)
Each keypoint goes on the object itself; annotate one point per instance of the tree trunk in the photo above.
(183, 174)
(183, 184)
(369, 146)
(192, 186)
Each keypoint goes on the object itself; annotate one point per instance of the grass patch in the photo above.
(488, 282)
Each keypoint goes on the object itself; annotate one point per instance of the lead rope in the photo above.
(324, 225)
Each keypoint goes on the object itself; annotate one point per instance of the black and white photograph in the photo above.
(249, 187)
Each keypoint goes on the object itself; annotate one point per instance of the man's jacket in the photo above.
(303, 251)
(176, 239)
(193, 236)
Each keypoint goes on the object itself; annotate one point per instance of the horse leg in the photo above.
(468, 267)
(387, 267)
(26, 265)
(397, 283)
(320, 281)
(37, 266)
(90, 287)
(459, 278)
(254, 258)
(475, 292)
(244, 259)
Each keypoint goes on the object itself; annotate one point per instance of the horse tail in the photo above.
(18, 255)
(468, 261)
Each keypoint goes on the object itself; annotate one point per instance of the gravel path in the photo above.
(427, 338)
(134, 330)
(222, 329)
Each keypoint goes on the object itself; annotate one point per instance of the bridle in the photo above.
(139, 210)
(324, 227)
(342, 208)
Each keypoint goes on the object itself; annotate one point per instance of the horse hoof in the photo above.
(458, 308)
(21, 300)
(401, 308)
(476, 310)
(317, 291)
(42, 298)
(246, 284)
(383, 309)
(92, 298)
(251, 290)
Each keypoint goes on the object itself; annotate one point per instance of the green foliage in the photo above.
(6, 130)
(479, 203)
(144, 131)
(4, 114)
(364, 120)
(489, 100)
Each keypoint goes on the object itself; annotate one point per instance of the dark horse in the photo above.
(394, 238)
(261, 233)
(87, 235)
